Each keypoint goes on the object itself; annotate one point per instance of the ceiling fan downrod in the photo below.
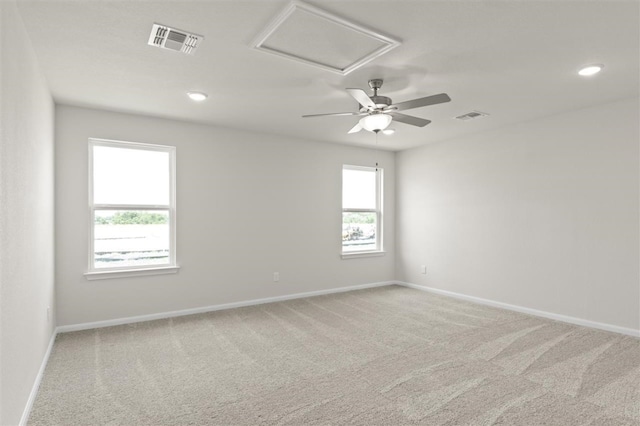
(375, 84)
(380, 102)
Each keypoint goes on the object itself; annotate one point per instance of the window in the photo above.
(361, 210)
(132, 208)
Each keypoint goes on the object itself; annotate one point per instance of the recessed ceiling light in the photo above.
(197, 96)
(389, 132)
(591, 69)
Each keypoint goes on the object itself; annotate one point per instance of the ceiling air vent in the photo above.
(471, 115)
(173, 39)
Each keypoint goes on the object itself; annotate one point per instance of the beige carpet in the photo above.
(384, 356)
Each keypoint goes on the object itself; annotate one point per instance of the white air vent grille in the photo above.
(471, 115)
(173, 39)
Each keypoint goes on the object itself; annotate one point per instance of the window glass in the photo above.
(130, 238)
(358, 189)
(359, 231)
(130, 176)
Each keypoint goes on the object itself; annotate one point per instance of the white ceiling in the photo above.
(516, 60)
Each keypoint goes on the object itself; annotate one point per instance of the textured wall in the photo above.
(248, 205)
(542, 215)
(26, 216)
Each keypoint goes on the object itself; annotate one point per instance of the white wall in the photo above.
(542, 215)
(26, 216)
(248, 205)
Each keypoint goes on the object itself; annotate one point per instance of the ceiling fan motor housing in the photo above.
(380, 101)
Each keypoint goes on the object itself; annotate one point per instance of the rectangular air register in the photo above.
(316, 37)
(471, 115)
(170, 38)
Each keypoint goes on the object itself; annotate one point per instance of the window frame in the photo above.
(126, 271)
(378, 210)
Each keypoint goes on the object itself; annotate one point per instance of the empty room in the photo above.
(346, 212)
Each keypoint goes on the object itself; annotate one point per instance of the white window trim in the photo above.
(360, 254)
(379, 250)
(137, 270)
(111, 273)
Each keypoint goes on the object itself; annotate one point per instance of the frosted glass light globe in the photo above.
(375, 122)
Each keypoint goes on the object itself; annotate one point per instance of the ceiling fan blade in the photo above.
(355, 129)
(408, 119)
(362, 98)
(334, 114)
(421, 102)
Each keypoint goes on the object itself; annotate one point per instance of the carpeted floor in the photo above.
(383, 356)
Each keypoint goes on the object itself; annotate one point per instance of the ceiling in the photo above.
(516, 60)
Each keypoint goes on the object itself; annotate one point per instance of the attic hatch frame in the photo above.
(387, 43)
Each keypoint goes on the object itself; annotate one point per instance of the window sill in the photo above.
(126, 273)
(359, 254)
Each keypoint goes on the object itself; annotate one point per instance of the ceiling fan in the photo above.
(377, 112)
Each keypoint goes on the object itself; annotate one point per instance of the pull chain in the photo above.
(377, 149)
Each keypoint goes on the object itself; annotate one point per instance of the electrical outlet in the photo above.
(423, 269)
(276, 277)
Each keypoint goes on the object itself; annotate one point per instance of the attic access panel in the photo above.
(313, 36)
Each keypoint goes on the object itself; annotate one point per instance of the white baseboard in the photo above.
(36, 383)
(192, 311)
(521, 309)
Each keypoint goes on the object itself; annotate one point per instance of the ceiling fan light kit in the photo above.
(378, 112)
(375, 122)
